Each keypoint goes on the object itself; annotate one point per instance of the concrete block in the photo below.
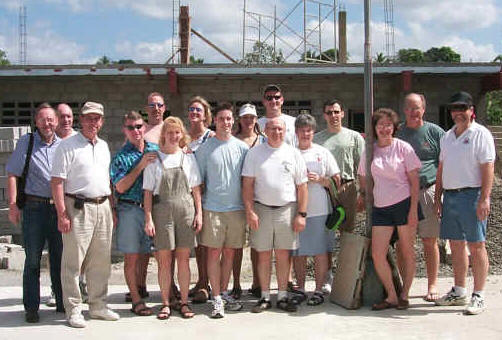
(14, 255)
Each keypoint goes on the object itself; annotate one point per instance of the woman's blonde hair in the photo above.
(177, 123)
(207, 109)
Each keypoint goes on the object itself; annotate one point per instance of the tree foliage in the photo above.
(3, 58)
(381, 58)
(194, 60)
(444, 54)
(104, 60)
(494, 107)
(328, 55)
(263, 53)
(498, 59)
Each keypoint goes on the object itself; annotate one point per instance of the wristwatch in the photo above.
(302, 213)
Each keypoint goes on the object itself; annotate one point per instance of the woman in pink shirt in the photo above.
(395, 169)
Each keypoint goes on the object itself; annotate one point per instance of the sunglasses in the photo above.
(459, 107)
(276, 97)
(154, 105)
(332, 112)
(134, 127)
(195, 109)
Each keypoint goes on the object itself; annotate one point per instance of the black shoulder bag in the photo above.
(21, 181)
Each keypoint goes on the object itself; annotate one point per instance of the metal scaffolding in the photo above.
(175, 44)
(23, 44)
(259, 30)
(390, 48)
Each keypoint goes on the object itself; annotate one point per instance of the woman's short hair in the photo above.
(305, 120)
(384, 113)
(176, 122)
(207, 109)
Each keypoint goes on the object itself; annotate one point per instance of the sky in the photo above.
(81, 31)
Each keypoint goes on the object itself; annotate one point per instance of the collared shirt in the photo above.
(289, 134)
(84, 166)
(346, 146)
(124, 161)
(463, 155)
(39, 172)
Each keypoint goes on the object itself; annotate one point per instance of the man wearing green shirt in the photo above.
(424, 137)
(346, 145)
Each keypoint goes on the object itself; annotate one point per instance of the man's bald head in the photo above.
(65, 119)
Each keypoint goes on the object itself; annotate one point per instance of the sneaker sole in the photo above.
(217, 316)
(453, 303)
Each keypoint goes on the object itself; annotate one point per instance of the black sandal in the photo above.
(188, 313)
(298, 296)
(163, 314)
(143, 310)
(316, 299)
(287, 305)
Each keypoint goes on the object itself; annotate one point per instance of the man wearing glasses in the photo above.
(126, 174)
(272, 101)
(346, 145)
(464, 179)
(155, 109)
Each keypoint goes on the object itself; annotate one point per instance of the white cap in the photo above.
(247, 109)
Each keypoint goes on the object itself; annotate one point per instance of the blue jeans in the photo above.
(40, 224)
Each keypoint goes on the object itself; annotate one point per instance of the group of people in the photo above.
(171, 188)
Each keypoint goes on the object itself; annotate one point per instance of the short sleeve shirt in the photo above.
(124, 161)
(290, 134)
(220, 164)
(322, 162)
(38, 179)
(276, 171)
(84, 166)
(346, 146)
(426, 142)
(152, 174)
(389, 168)
(462, 156)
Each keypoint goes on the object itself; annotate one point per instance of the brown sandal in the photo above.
(383, 305)
(140, 309)
(187, 313)
(164, 314)
(200, 296)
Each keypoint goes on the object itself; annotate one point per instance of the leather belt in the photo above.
(271, 206)
(34, 198)
(123, 200)
(461, 189)
(95, 200)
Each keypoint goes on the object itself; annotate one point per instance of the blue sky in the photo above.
(80, 31)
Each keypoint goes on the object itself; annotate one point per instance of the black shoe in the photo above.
(287, 305)
(31, 317)
(60, 310)
(256, 292)
(262, 305)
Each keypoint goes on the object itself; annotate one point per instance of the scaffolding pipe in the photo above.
(207, 41)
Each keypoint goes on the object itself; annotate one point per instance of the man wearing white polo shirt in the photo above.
(274, 191)
(81, 190)
(465, 178)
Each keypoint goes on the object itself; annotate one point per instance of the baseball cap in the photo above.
(461, 98)
(247, 109)
(272, 87)
(92, 107)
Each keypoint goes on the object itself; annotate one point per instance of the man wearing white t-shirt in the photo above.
(465, 178)
(273, 100)
(81, 190)
(274, 191)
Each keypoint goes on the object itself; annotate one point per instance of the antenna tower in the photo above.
(22, 35)
(390, 48)
(175, 45)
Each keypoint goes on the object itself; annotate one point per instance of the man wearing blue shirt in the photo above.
(220, 161)
(126, 173)
(39, 220)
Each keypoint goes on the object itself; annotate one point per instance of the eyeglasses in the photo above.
(276, 97)
(195, 109)
(134, 127)
(154, 105)
(384, 126)
(459, 107)
(332, 112)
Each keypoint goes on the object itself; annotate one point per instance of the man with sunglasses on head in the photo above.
(126, 174)
(464, 182)
(272, 101)
(346, 145)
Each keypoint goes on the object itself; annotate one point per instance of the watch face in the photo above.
(302, 214)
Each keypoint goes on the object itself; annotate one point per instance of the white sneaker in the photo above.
(326, 288)
(218, 309)
(51, 302)
(76, 320)
(230, 303)
(104, 314)
(476, 306)
(451, 299)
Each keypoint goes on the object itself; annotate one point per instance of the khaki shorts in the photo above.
(348, 197)
(429, 226)
(275, 230)
(173, 225)
(224, 229)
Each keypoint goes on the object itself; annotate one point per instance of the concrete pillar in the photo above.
(342, 32)
(184, 21)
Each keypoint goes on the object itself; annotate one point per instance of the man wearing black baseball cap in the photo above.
(464, 179)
